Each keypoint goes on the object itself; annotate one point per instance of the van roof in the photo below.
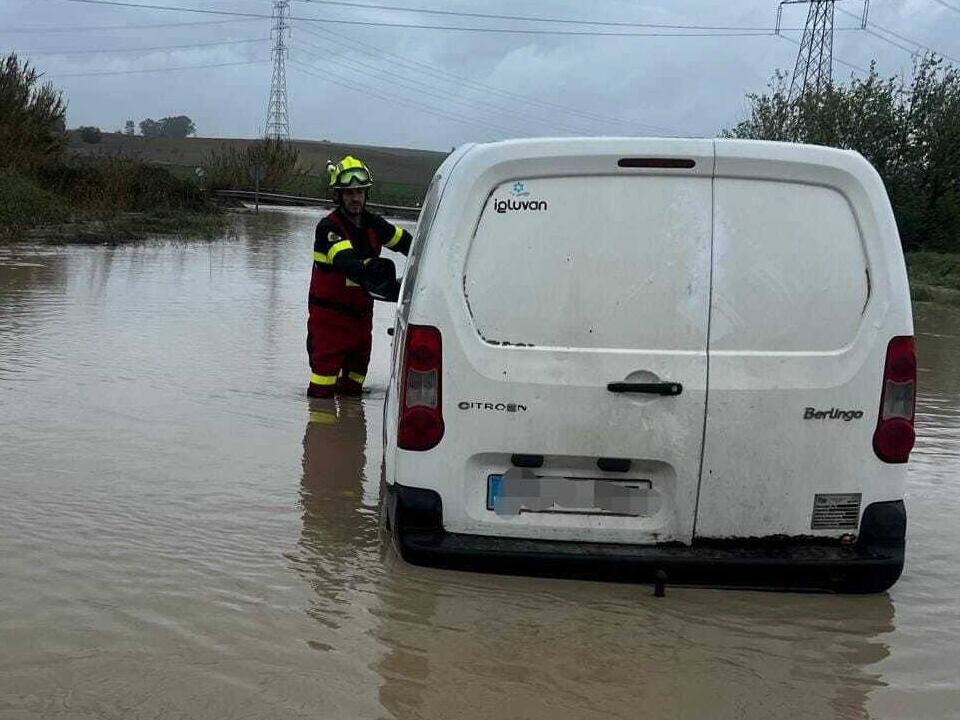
(547, 146)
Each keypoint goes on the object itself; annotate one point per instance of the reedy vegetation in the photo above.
(42, 184)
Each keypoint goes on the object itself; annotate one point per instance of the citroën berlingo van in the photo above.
(629, 358)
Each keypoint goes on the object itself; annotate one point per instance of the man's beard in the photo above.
(347, 208)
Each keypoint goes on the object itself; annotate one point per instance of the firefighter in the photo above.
(348, 274)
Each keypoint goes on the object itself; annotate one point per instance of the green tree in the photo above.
(32, 117)
(908, 130)
(149, 128)
(177, 127)
(90, 134)
(128, 128)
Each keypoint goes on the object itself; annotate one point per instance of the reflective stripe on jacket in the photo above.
(340, 250)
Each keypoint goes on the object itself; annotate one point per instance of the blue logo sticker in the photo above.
(518, 189)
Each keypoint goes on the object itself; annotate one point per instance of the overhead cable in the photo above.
(527, 18)
(108, 51)
(948, 5)
(366, 23)
(835, 58)
(447, 76)
(399, 99)
(79, 29)
(881, 28)
(154, 70)
(424, 89)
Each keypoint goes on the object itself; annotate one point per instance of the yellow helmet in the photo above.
(349, 173)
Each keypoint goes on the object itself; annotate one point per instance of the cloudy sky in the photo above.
(376, 72)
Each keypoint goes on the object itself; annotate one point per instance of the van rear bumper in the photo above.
(871, 564)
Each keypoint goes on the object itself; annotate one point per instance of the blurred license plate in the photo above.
(516, 492)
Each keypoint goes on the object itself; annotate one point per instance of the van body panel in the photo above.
(502, 350)
(410, 287)
(765, 278)
(809, 286)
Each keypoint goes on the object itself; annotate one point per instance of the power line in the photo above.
(146, 6)
(948, 5)
(872, 24)
(835, 58)
(430, 91)
(89, 28)
(399, 99)
(468, 110)
(447, 76)
(461, 82)
(102, 51)
(522, 18)
(365, 23)
(154, 70)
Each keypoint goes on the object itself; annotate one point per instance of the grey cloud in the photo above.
(688, 85)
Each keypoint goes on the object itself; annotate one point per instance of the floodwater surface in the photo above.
(184, 535)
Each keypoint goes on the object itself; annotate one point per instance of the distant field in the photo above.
(400, 173)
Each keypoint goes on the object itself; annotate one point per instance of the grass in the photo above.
(384, 192)
(104, 200)
(126, 227)
(24, 204)
(934, 277)
(401, 173)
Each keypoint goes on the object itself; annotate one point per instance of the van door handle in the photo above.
(662, 388)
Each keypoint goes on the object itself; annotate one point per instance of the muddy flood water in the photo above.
(183, 536)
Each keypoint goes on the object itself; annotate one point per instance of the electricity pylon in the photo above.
(814, 69)
(278, 118)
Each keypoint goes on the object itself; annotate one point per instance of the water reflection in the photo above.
(464, 646)
(938, 402)
(452, 644)
(339, 538)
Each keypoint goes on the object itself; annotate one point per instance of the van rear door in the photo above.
(808, 289)
(588, 295)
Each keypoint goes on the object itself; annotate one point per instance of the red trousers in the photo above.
(339, 348)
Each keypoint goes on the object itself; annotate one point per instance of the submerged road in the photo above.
(184, 535)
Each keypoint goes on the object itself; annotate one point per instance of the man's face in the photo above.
(353, 200)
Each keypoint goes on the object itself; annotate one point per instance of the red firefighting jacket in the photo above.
(340, 252)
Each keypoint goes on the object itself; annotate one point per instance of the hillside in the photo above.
(397, 168)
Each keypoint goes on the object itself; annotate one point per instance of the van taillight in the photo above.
(421, 416)
(894, 436)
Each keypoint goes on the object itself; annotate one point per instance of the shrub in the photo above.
(120, 184)
(23, 203)
(32, 117)
(90, 134)
(229, 166)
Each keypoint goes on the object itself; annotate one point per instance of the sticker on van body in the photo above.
(832, 414)
(492, 407)
(519, 199)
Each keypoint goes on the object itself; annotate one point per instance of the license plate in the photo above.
(521, 491)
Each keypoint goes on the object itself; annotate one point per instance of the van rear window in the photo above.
(593, 262)
(790, 273)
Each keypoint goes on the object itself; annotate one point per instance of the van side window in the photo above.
(789, 268)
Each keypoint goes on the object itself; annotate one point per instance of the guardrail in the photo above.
(272, 198)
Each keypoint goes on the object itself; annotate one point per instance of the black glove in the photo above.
(380, 280)
(388, 294)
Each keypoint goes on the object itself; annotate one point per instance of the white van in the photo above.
(630, 358)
